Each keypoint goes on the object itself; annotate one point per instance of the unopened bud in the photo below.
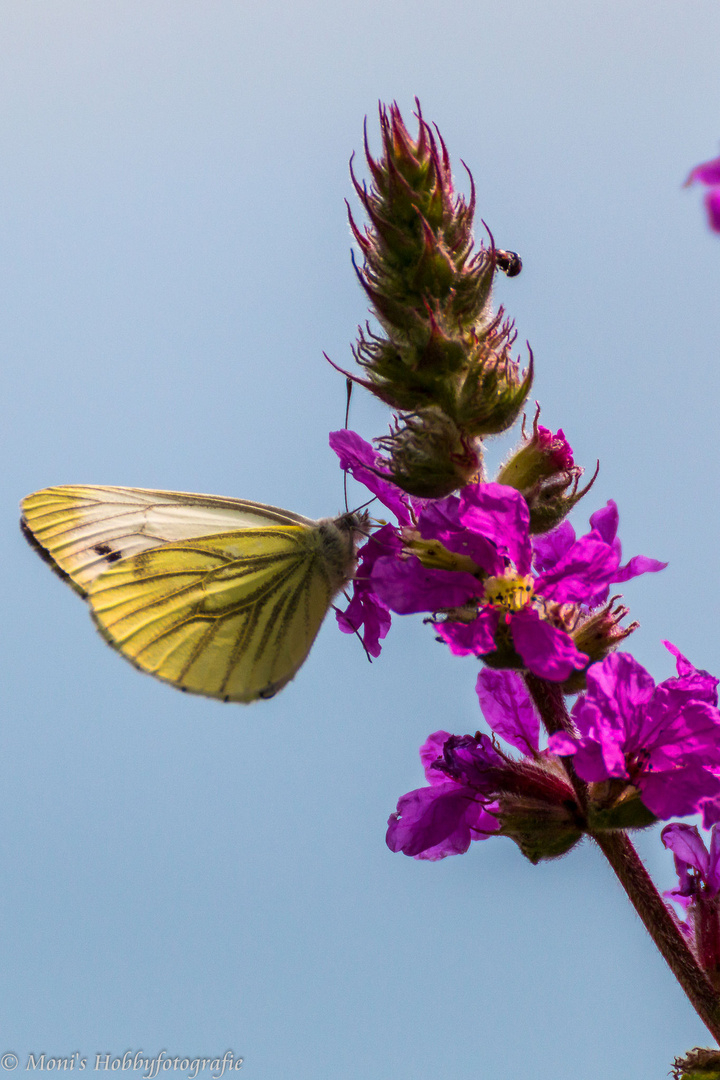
(616, 804)
(543, 470)
(428, 457)
(541, 830)
(698, 1064)
(492, 390)
(597, 636)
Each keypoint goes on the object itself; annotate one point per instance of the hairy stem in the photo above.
(550, 703)
(659, 923)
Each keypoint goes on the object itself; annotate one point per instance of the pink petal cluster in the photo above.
(664, 739)
(489, 524)
(709, 174)
(469, 776)
(698, 869)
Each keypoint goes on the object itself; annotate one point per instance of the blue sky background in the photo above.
(174, 254)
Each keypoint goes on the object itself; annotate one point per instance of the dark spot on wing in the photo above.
(109, 553)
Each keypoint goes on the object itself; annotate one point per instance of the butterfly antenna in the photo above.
(348, 390)
(356, 632)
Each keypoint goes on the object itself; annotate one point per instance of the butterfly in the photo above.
(217, 596)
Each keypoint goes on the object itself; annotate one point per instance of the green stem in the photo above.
(550, 703)
(634, 878)
(659, 923)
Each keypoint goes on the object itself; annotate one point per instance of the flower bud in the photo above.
(616, 804)
(544, 471)
(598, 635)
(428, 456)
(442, 359)
(540, 829)
(698, 1064)
(537, 808)
(492, 390)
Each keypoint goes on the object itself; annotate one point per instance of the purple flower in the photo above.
(476, 790)
(698, 892)
(442, 819)
(471, 557)
(504, 581)
(359, 459)
(698, 869)
(665, 739)
(709, 173)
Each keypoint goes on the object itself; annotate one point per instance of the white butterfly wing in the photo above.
(82, 530)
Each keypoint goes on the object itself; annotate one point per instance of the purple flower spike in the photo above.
(664, 739)
(709, 173)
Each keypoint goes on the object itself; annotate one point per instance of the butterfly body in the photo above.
(220, 597)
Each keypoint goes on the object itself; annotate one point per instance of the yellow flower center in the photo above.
(509, 592)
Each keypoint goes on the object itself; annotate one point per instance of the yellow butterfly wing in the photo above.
(81, 530)
(230, 614)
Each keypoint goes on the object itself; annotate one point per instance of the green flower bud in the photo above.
(698, 1064)
(597, 636)
(543, 470)
(428, 456)
(441, 358)
(616, 804)
(541, 830)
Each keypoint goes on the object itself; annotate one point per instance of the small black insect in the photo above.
(508, 261)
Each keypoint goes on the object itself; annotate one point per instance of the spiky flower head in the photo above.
(441, 348)
(429, 456)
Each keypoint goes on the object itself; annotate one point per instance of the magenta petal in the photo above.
(549, 548)
(605, 521)
(364, 463)
(582, 574)
(685, 843)
(366, 614)
(434, 822)
(707, 173)
(508, 709)
(713, 871)
(471, 639)
(702, 684)
(545, 650)
(712, 205)
(678, 792)
(501, 514)
(366, 611)
(440, 521)
(621, 689)
(432, 751)
(640, 564)
(406, 586)
(561, 744)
